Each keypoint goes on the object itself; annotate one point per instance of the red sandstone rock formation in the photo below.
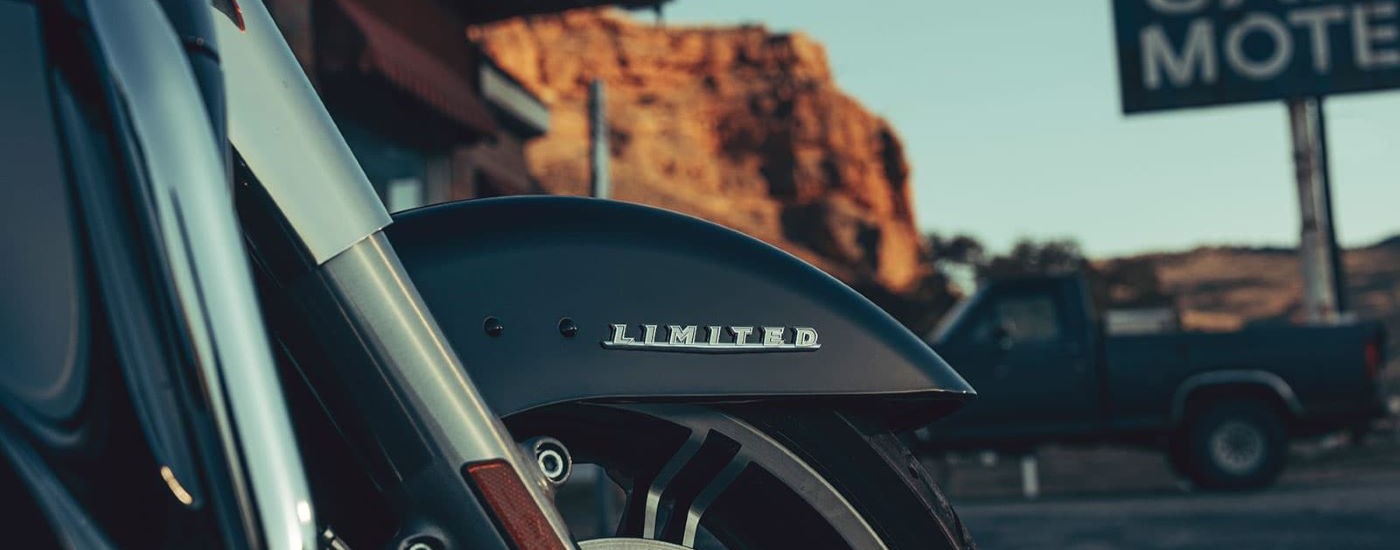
(734, 124)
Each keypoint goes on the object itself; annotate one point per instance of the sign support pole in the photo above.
(1339, 278)
(1315, 247)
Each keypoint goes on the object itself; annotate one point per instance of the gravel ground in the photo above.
(1330, 497)
(1359, 511)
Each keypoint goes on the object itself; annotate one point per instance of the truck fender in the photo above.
(1235, 377)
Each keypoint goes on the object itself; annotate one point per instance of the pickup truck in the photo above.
(1222, 406)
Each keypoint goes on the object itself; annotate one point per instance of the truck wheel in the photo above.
(1235, 445)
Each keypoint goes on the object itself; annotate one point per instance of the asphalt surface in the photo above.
(1360, 509)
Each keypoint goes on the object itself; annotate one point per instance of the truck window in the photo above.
(1028, 319)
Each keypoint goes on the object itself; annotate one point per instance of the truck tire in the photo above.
(1233, 445)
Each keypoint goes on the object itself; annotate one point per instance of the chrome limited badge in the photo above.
(712, 338)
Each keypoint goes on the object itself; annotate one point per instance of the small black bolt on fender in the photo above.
(568, 327)
(493, 327)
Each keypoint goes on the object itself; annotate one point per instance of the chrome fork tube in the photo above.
(390, 369)
(363, 298)
(371, 285)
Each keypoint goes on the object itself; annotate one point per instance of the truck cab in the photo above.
(1029, 349)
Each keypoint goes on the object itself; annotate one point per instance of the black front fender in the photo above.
(541, 264)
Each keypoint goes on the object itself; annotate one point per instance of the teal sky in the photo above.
(1010, 116)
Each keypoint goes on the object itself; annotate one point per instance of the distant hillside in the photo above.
(1225, 288)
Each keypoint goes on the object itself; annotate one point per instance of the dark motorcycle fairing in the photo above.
(534, 262)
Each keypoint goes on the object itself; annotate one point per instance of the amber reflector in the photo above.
(517, 514)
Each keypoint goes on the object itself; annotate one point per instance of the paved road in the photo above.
(1358, 510)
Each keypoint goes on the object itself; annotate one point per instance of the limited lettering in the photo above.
(717, 338)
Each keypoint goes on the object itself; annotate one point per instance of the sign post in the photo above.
(1320, 296)
(1175, 54)
(1339, 281)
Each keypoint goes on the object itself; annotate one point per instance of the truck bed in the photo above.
(1323, 365)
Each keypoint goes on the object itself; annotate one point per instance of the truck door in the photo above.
(1025, 351)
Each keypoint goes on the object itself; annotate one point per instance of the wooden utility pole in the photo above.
(599, 184)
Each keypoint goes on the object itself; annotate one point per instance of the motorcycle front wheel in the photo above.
(749, 477)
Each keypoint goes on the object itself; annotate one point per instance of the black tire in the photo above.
(812, 479)
(875, 470)
(1234, 445)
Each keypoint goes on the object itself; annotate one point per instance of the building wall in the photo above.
(293, 18)
(491, 166)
